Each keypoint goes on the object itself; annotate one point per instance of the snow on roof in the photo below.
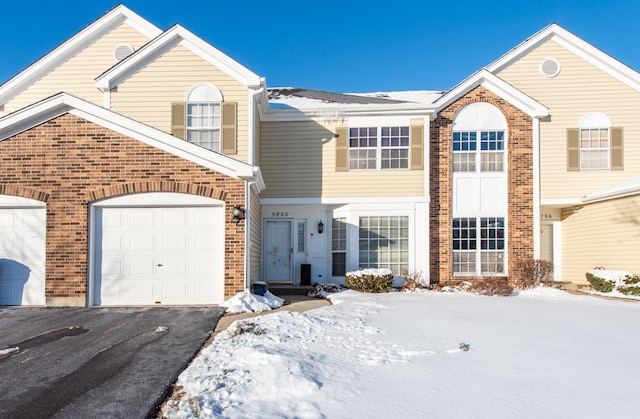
(296, 98)
(628, 187)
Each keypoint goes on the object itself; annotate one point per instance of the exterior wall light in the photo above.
(320, 227)
(238, 213)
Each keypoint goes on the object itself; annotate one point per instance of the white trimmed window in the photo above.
(478, 151)
(594, 141)
(384, 243)
(379, 148)
(478, 246)
(204, 120)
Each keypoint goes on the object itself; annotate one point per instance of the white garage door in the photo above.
(22, 256)
(168, 256)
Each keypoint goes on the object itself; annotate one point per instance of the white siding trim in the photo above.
(344, 201)
(536, 188)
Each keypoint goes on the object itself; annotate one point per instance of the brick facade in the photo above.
(69, 163)
(519, 180)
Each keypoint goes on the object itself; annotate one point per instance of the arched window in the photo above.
(594, 141)
(204, 120)
(479, 139)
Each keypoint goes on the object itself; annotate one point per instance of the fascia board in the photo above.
(163, 43)
(518, 99)
(528, 44)
(63, 103)
(561, 202)
(71, 47)
(499, 87)
(600, 60)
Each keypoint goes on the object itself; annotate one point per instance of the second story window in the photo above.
(204, 120)
(595, 144)
(594, 148)
(478, 151)
(379, 148)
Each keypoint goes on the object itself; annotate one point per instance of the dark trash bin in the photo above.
(260, 288)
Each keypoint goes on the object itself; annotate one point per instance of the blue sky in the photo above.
(341, 46)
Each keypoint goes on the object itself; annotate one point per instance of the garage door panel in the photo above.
(175, 266)
(205, 265)
(175, 291)
(142, 241)
(169, 254)
(142, 266)
(175, 217)
(138, 217)
(141, 291)
(175, 241)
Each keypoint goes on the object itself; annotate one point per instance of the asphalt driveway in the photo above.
(95, 362)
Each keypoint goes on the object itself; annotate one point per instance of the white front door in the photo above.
(546, 241)
(22, 256)
(278, 251)
(157, 255)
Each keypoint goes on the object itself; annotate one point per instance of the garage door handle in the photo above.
(159, 264)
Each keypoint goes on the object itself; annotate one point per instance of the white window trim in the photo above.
(595, 121)
(378, 149)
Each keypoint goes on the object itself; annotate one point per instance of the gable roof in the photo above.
(113, 18)
(62, 103)
(576, 45)
(498, 86)
(163, 43)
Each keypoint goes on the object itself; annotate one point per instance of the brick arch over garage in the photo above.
(166, 186)
(16, 190)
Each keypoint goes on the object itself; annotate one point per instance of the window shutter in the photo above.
(342, 149)
(178, 120)
(229, 128)
(416, 141)
(617, 149)
(573, 150)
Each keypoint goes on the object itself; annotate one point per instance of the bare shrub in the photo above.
(530, 273)
(491, 285)
(413, 281)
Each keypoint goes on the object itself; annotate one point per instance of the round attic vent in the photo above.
(122, 51)
(550, 67)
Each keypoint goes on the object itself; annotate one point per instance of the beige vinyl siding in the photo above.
(255, 237)
(298, 160)
(77, 75)
(603, 234)
(147, 95)
(578, 89)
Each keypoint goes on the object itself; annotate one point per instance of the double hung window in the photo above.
(481, 151)
(379, 148)
(478, 245)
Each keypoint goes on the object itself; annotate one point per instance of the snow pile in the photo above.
(403, 355)
(245, 302)
(611, 275)
(370, 272)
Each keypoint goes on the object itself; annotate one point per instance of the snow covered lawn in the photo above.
(542, 354)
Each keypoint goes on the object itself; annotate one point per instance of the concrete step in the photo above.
(288, 289)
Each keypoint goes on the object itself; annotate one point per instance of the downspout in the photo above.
(247, 236)
(247, 188)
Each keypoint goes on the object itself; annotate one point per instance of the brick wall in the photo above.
(519, 178)
(69, 163)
